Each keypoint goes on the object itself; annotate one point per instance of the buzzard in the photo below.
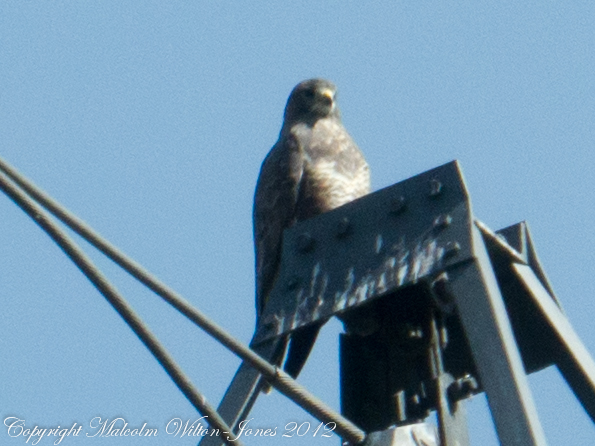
(314, 167)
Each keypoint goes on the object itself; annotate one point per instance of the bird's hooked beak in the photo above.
(329, 97)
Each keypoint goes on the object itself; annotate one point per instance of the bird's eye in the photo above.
(308, 94)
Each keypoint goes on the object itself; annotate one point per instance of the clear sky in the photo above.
(150, 120)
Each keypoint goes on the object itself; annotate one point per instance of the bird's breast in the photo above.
(334, 170)
(330, 187)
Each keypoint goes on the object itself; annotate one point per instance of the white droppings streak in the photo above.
(379, 243)
(315, 273)
(341, 297)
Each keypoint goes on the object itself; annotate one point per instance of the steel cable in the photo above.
(279, 379)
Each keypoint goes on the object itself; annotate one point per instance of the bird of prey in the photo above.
(314, 167)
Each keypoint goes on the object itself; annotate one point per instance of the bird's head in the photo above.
(311, 100)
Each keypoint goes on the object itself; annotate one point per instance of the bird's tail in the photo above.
(300, 346)
(302, 341)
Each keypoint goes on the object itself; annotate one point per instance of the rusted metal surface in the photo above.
(382, 242)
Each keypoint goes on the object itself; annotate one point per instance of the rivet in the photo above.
(305, 243)
(451, 249)
(397, 204)
(343, 227)
(415, 333)
(442, 221)
(415, 399)
(462, 388)
(435, 188)
(271, 325)
(412, 331)
(441, 294)
(293, 283)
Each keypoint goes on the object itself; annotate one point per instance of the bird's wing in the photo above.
(275, 199)
(335, 173)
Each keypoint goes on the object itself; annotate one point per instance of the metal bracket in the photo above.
(382, 242)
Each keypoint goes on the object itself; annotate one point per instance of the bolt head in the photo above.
(271, 325)
(305, 243)
(343, 227)
(451, 249)
(462, 388)
(442, 221)
(397, 204)
(435, 188)
(293, 283)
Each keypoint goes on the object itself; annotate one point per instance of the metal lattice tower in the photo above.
(436, 308)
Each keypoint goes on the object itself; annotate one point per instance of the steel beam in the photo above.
(572, 358)
(241, 393)
(483, 316)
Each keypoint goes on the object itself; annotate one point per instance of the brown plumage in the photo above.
(314, 167)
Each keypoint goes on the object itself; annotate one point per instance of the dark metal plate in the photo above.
(375, 245)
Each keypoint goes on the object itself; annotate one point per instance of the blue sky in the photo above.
(150, 120)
